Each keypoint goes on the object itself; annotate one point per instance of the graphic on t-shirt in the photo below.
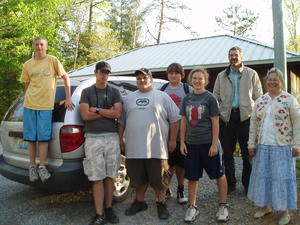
(195, 113)
(176, 99)
(142, 101)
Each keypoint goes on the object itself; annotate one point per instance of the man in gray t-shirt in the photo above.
(150, 122)
(100, 106)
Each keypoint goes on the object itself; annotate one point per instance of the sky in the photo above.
(201, 18)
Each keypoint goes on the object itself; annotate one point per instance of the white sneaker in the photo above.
(33, 174)
(191, 213)
(43, 173)
(222, 214)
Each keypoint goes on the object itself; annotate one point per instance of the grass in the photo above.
(298, 167)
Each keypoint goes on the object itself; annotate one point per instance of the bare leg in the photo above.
(193, 187)
(140, 192)
(32, 153)
(108, 190)
(160, 195)
(98, 195)
(222, 187)
(180, 175)
(43, 150)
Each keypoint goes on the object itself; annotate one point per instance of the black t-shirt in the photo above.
(101, 98)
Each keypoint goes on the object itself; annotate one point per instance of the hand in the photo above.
(252, 152)
(69, 105)
(183, 149)
(171, 145)
(213, 150)
(295, 152)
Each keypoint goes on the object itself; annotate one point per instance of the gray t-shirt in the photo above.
(177, 94)
(102, 98)
(146, 117)
(198, 109)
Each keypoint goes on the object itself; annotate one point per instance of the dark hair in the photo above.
(102, 65)
(201, 70)
(236, 48)
(176, 68)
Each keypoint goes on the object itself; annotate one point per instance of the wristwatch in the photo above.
(97, 110)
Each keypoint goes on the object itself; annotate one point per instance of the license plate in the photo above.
(22, 145)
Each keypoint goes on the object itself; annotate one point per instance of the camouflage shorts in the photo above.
(102, 157)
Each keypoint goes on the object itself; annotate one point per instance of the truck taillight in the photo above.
(71, 137)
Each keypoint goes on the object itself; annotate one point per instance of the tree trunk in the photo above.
(161, 21)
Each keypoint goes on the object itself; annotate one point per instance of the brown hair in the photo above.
(176, 68)
(236, 48)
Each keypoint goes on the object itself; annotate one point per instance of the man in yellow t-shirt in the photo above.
(39, 75)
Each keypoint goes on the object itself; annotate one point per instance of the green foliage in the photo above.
(236, 20)
(125, 21)
(298, 167)
(88, 36)
(292, 8)
(294, 44)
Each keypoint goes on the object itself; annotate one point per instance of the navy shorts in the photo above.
(37, 125)
(197, 159)
(176, 158)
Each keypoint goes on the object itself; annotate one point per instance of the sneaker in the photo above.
(162, 210)
(136, 207)
(181, 198)
(262, 212)
(111, 216)
(33, 174)
(168, 194)
(285, 219)
(222, 214)
(98, 220)
(43, 173)
(191, 213)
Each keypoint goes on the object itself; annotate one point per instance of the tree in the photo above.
(89, 36)
(125, 21)
(20, 22)
(166, 11)
(236, 20)
(293, 15)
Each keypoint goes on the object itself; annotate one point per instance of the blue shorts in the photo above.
(37, 125)
(197, 159)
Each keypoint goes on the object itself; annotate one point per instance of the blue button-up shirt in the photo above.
(234, 76)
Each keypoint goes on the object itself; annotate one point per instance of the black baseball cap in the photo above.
(143, 71)
(102, 65)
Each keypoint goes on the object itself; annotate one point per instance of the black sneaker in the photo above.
(181, 198)
(111, 216)
(136, 207)
(162, 210)
(98, 220)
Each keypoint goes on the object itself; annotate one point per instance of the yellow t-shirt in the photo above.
(41, 76)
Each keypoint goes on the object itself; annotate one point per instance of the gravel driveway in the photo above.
(24, 205)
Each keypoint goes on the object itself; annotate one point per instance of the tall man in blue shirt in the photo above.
(236, 89)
